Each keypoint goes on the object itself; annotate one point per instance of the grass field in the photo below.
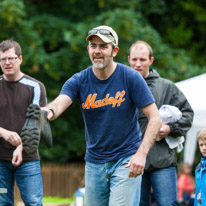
(54, 201)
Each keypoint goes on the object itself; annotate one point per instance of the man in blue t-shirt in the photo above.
(110, 96)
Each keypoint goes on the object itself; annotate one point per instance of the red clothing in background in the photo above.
(185, 183)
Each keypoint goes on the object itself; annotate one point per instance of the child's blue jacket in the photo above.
(200, 179)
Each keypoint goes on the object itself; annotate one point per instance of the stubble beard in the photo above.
(102, 65)
(99, 66)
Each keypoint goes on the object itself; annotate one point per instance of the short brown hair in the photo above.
(142, 42)
(202, 135)
(8, 44)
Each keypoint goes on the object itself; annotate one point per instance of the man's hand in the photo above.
(136, 164)
(55, 108)
(17, 156)
(11, 137)
(50, 114)
(163, 132)
(138, 161)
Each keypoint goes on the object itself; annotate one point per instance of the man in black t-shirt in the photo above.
(17, 92)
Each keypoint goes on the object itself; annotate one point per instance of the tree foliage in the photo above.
(52, 35)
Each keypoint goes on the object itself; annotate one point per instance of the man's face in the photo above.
(139, 59)
(100, 53)
(202, 146)
(10, 64)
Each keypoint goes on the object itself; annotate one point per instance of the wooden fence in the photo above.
(60, 180)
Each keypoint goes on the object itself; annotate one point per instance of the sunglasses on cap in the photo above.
(100, 31)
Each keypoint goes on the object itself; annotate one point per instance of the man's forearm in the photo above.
(150, 135)
(53, 109)
(58, 106)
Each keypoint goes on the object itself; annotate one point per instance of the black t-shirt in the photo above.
(15, 97)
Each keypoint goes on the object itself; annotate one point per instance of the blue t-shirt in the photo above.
(109, 109)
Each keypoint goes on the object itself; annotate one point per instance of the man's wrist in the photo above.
(52, 111)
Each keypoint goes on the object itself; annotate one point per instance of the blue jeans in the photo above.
(108, 184)
(164, 186)
(28, 179)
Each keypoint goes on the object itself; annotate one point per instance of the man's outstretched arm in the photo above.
(57, 106)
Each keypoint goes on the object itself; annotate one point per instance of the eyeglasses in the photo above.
(101, 31)
(10, 59)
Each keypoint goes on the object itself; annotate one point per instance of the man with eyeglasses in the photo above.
(17, 92)
(109, 95)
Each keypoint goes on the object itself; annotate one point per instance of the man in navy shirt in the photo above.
(110, 96)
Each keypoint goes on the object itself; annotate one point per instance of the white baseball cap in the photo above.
(105, 33)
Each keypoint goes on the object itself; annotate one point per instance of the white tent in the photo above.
(194, 90)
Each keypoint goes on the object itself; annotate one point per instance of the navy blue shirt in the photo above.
(109, 109)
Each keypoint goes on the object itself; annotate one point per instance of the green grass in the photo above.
(57, 200)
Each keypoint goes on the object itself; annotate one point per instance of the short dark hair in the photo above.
(8, 44)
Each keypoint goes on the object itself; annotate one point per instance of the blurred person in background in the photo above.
(185, 185)
(160, 168)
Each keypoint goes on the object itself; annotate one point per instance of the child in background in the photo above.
(186, 184)
(200, 172)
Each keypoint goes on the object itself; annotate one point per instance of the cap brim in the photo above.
(102, 37)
